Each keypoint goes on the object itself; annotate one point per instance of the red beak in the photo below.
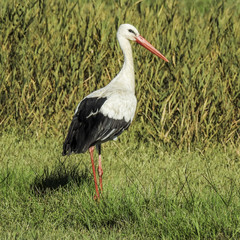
(142, 41)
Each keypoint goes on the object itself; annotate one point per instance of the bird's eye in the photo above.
(131, 31)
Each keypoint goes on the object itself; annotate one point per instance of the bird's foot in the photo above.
(96, 198)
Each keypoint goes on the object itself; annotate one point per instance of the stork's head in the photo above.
(129, 32)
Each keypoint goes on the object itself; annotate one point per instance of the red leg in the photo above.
(91, 149)
(100, 171)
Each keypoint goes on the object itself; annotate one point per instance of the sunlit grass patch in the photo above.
(148, 193)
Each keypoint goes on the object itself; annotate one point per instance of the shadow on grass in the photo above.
(60, 176)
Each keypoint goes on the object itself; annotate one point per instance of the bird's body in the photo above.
(105, 113)
(96, 120)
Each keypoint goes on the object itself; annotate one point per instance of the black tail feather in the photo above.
(75, 140)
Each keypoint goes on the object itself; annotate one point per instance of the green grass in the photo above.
(149, 192)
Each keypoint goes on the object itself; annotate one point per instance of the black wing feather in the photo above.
(89, 127)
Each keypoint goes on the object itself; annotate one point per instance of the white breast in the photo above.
(119, 105)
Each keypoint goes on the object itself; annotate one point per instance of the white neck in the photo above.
(125, 78)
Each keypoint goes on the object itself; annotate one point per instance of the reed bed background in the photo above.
(53, 53)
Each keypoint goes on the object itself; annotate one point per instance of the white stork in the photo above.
(105, 113)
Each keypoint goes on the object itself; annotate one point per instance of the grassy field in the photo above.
(149, 192)
(174, 174)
